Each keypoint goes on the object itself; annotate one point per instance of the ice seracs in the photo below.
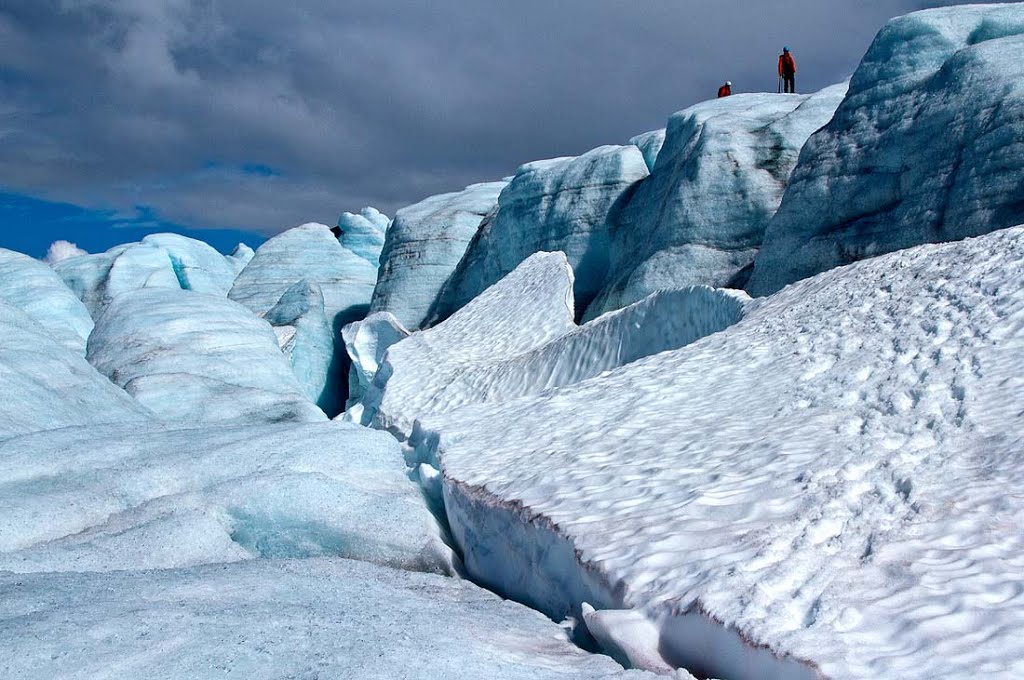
(197, 358)
(366, 342)
(424, 245)
(719, 177)
(564, 204)
(32, 287)
(363, 233)
(820, 488)
(928, 146)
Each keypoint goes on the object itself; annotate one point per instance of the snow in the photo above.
(363, 233)
(278, 619)
(493, 327)
(32, 287)
(720, 176)
(307, 338)
(423, 247)
(197, 358)
(926, 147)
(366, 342)
(821, 487)
(47, 385)
(62, 250)
(564, 204)
(309, 252)
(158, 261)
(117, 497)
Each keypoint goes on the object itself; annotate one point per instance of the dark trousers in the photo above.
(789, 80)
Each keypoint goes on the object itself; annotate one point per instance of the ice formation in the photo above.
(158, 261)
(366, 342)
(822, 487)
(197, 358)
(423, 247)
(926, 147)
(49, 386)
(240, 257)
(121, 497)
(363, 233)
(32, 287)
(565, 204)
(271, 619)
(700, 217)
(650, 144)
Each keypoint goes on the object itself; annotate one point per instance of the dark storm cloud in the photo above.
(224, 113)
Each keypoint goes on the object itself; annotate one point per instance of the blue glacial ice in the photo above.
(197, 358)
(363, 233)
(35, 289)
(366, 343)
(650, 144)
(926, 147)
(423, 247)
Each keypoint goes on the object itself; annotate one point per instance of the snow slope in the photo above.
(47, 385)
(564, 204)
(264, 620)
(829, 480)
(424, 245)
(197, 358)
(158, 261)
(926, 147)
(121, 497)
(363, 233)
(719, 177)
(32, 287)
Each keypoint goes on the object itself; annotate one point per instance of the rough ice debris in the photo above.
(366, 342)
(527, 309)
(62, 250)
(565, 204)
(363, 234)
(264, 620)
(35, 289)
(423, 247)
(48, 386)
(700, 217)
(821, 487)
(158, 261)
(117, 497)
(197, 359)
(927, 147)
(307, 338)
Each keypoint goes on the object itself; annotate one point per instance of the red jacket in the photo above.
(724, 91)
(787, 65)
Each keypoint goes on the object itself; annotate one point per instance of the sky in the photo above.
(233, 120)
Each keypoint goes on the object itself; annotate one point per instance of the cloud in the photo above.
(172, 104)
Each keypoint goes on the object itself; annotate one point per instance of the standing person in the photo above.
(787, 70)
(725, 90)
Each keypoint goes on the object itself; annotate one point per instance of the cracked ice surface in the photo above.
(117, 497)
(926, 147)
(197, 358)
(264, 620)
(833, 477)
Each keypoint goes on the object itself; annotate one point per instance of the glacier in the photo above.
(158, 261)
(700, 218)
(776, 499)
(363, 233)
(422, 248)
(925, 148)
(366, 343)
(197, 358)
(563, 204)
(35, 289)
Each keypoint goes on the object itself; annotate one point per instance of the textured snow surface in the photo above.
(564, 204)
(833, 477)
(117, 497)
(423, 247)
(309, 252)
(32, 287)
(197, 358)
(700, 217)
(158, 261)
(363, 233)
(278, 619)
(927, 147)
(527, 309)
(46, 385)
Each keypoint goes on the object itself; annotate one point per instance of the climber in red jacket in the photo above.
(725, 90)
(787, 70)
